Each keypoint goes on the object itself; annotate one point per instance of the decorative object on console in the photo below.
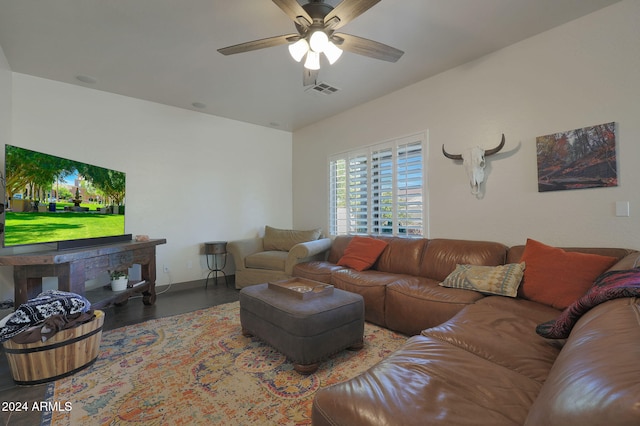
(579, 158)
(362, 252)
(119, 280)
(473, 160)
(556, 277)
(503, 280)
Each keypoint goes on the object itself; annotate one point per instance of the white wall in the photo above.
(191, 177)
(580, 74)
(6, 273)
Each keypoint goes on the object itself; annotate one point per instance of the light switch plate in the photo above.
(622, 208)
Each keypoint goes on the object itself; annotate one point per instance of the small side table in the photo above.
(215, 249)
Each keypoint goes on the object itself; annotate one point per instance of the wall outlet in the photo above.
(165, 269)
(189, 264)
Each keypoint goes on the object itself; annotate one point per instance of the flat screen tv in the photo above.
(50, 199)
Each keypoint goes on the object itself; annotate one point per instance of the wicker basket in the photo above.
(66, 353)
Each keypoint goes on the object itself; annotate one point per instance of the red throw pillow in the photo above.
(362, 252)
(558, 278)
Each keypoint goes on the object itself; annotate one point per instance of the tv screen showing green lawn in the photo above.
(52, 199)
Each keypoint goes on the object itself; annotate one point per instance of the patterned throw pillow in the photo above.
(502, 280)
(608, 286)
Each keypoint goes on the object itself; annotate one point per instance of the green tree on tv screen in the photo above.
(30, 168)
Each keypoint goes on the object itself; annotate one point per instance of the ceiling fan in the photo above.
(316, 23)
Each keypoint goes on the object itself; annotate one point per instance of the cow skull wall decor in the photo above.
(473, 160)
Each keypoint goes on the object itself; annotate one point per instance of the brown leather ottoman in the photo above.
(305, 330)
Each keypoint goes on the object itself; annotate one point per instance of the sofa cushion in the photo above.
(273, 260)
(362, 253)
(428, 382)
(284, 239)
(556, 277)
(316, 270)
(442, 255)
(502, 280)
(502, 330)
(402, 255)
(371, 285)
(415, 303)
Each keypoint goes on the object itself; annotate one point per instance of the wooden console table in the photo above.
(76, 266)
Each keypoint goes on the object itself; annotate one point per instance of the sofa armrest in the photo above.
(240, 249)
(594, 380)
(305, 252)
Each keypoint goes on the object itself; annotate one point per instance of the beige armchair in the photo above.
(272, 257)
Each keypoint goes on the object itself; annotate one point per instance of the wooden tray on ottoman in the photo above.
(302, 288)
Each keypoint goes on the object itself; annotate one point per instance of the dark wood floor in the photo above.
(177, 299)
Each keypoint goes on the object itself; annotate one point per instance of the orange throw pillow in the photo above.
(558, 278)
(362, 252)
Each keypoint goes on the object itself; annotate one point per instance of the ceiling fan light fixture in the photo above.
(299, 49)
(318, 41)
(313, 61)
(316, 23)
(332, 52)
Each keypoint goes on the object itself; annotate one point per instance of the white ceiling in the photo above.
(165, 50)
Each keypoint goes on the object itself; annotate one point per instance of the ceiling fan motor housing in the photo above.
(317, 10)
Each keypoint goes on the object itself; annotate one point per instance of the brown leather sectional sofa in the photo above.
(475, 359)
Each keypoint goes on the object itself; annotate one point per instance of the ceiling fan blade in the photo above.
(294, 11)
(347, 11)
(310, 77)
(366, 47)
(259, 44)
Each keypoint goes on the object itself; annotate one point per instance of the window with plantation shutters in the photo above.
(379, 190)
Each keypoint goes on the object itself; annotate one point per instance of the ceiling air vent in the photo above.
(322, 88)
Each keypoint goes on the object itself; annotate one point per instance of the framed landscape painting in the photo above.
(577, 159)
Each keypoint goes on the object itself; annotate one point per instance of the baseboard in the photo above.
(185, 285)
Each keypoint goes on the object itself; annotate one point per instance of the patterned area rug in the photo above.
(197, 368)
